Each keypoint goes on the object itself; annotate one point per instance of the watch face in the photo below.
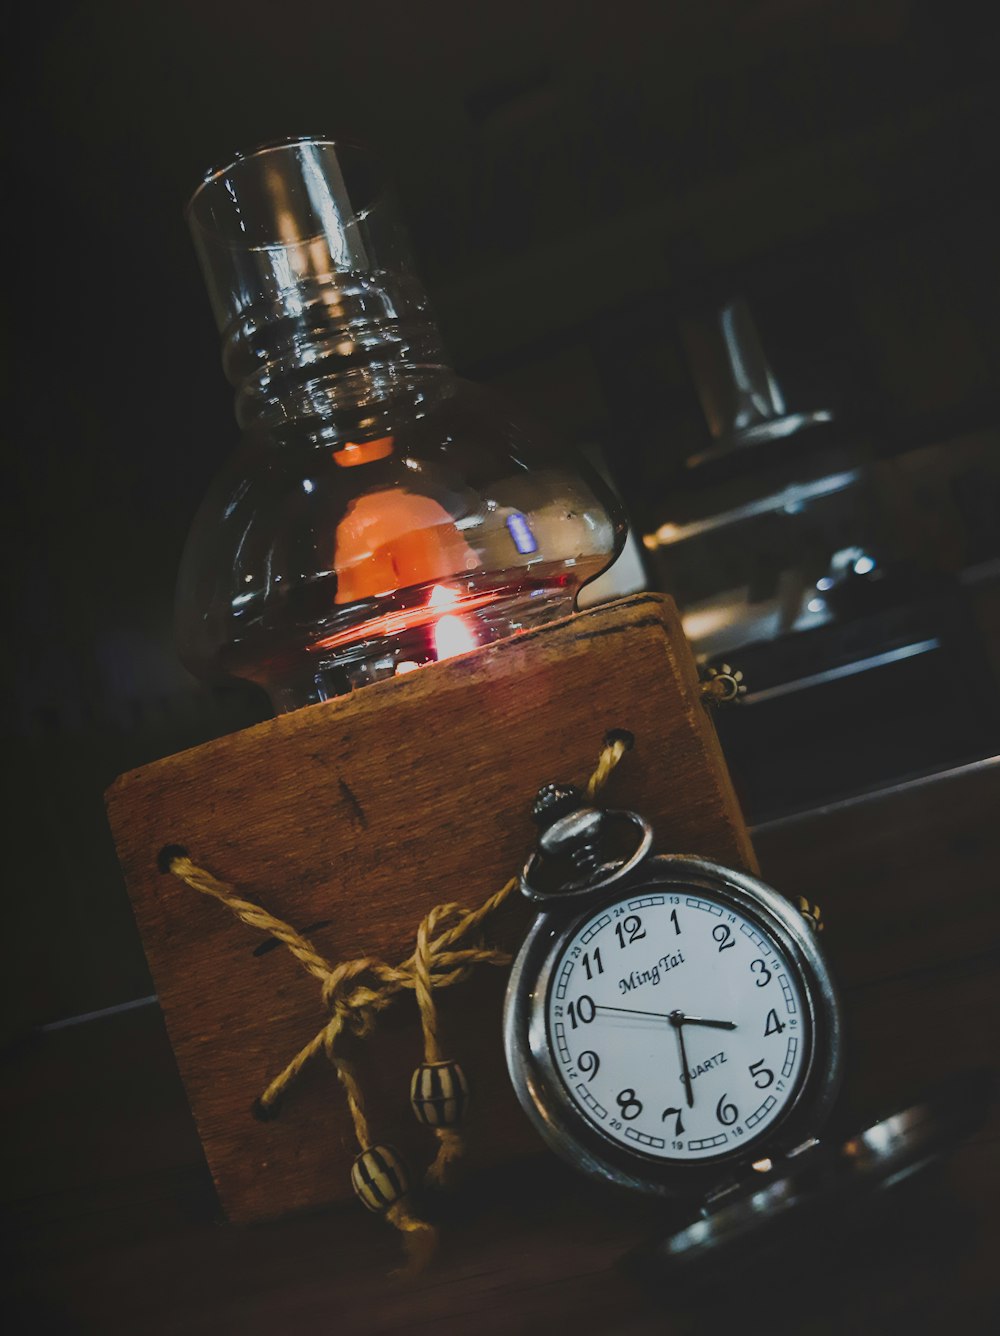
(678, 1022)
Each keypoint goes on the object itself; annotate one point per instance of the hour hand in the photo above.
(715, 1025)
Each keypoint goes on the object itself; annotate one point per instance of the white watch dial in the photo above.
(678, 1025)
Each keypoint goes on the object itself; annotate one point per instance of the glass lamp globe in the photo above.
(381, 514)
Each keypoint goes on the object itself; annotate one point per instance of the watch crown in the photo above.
(574, 836)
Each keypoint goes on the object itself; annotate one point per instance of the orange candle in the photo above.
(390, 540)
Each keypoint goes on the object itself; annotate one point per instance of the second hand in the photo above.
(668, 1016)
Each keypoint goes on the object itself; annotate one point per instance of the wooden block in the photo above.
(360, 815)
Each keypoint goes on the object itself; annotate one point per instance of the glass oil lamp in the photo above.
(381, 514)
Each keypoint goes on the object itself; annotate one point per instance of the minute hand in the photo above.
(675, 1018)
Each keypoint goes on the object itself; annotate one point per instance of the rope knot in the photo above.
(351, 1001)
(449, 945)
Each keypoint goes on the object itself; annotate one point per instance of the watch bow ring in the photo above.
(575, 858)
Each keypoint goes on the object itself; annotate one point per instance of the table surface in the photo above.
(113, 1225)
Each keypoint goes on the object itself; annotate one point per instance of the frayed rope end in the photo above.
(451, 1148)
(420, 1240)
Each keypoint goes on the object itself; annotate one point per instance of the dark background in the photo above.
(575, 178)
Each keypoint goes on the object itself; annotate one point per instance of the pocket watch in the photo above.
(670, 1025)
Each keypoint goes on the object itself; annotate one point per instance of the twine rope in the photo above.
(448, 946)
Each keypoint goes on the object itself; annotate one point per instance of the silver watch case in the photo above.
(539, 1085)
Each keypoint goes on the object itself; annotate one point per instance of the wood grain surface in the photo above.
(362, 814)
(113, 1221)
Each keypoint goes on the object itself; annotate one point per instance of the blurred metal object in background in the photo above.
(741, 399)
(843, 570)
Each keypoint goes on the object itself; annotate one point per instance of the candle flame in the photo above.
(452, 636)
(443, 597)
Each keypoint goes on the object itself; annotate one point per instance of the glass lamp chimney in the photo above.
(380, 513)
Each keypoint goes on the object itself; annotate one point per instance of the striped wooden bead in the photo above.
(379, 1178)
(439, 1093)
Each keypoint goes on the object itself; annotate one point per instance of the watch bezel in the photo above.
(539, 1084)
